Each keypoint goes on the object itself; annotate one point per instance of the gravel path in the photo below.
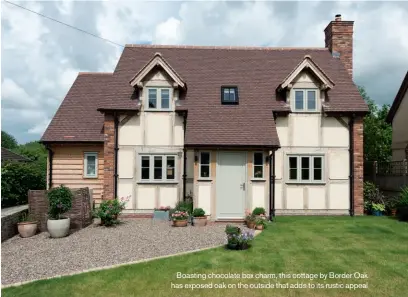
(38, 257)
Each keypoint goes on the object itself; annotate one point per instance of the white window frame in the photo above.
(164, 178)
(209, 165)
(305, 109)
(311, 179)
(86, 155)
(263, 165)
(158, 99)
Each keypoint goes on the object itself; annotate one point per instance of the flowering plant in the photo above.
(109, 210)
(163, 208)
(261, 220)
(240, 241)
(179, 215)
(59, 201)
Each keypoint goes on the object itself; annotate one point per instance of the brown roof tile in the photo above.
(257, 71)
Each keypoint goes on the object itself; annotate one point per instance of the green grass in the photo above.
(372, 245)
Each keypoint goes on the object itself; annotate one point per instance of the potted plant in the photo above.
(391, 205)
(161, 213)
(378, 209)
(200, 219)
(258, 211)
(236, 240)
(179, 218)
(250, 221)
(27, 226)
(109, 210)
(60, 201)
(260, 222)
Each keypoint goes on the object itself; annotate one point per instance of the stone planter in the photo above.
(161, 215)
(27, 229)
(58, 228)
(200, 221)
(180, 223)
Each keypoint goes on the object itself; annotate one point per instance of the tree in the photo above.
(8, 141)
(377, 132)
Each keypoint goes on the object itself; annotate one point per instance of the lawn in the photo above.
(374, 247)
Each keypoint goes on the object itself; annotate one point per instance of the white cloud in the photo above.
(168, 32)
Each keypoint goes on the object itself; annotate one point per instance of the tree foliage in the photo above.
(377, 132)
(8, 141)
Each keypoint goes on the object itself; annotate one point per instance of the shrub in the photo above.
(378, 207)
(17, 179)
(179, 215)
(371, 195)
(184, 206)
(402, 205)
(198, 212)
(258, 211)
(59, 201)
(109, 210)
(230, 229)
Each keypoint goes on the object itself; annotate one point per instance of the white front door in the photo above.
(231, 185)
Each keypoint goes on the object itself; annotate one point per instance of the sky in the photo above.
(40, 58)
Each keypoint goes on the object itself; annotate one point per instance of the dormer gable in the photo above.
(307, 64)
(158, 61)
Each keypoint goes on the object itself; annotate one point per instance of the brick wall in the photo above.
(358, 166)
(109, 157)
(80, 212)
(339, 38)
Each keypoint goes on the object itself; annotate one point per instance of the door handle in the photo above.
(242, 186)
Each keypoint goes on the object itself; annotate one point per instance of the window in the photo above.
(258, 165)
(204, 165)
(305, 100)
(305, 169)
(157, 168)
(158, 99)
(229, 95)
(91, 165)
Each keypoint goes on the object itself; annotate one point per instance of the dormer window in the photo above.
(305, 100)
(158, 99)
(229, 95)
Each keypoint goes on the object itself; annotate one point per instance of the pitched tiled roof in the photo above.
(257, 71)
(7, 155)
(77, 118)
(398, 99)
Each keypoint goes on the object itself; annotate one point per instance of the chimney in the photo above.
(339, 41)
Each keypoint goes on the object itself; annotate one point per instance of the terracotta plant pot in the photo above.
(259, 227)
(200, 221)
(27, 229)
(180, 223)
(394, 212)
(251, 225)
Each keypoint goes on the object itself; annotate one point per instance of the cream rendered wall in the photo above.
(399, 130)
(312, 133)
(150, 132)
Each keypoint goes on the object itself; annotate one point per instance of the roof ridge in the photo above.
(223, 47)
(92, 73)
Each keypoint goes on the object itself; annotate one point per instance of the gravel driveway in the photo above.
(38, 257)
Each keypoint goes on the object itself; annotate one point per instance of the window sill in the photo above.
(322, 183)
(204, 180)
(258, 180)
(158, 110)
(158, 182)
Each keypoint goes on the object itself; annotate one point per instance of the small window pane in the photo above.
(317, 171)
(152, 98)
(311, 100)
(91, 165)
(299, 100)
(165, 98)
(293, 168)
(258, 171)
(205, 158)
(170, 167)
(229, 94)
(205, 171)
(145, 167)
(258, 159)
(305, 163)
(158, 170)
